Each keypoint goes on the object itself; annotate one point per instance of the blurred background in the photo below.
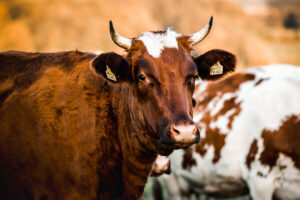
(257, 31)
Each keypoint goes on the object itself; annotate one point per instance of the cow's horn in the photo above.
(117, 38)
(200, 35)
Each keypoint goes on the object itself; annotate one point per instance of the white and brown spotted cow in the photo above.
(250, 126)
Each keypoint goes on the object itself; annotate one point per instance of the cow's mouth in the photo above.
(166, 148)
(184, 145)
(179, 145)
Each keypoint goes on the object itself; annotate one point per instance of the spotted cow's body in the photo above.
(250, 125)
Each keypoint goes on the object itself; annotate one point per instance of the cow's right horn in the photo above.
(119, 40)
(200, 35)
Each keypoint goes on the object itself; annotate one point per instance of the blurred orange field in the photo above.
(59, 25)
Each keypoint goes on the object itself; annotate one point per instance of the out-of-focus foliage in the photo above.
(290, 22)
(56, 25)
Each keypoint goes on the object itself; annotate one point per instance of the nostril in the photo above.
(184, 128)
(175, 129)
(184, 133)
(195, 131)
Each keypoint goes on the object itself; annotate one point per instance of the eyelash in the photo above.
(192, 79)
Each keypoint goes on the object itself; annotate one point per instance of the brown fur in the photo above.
(188, 160)
(65, 154)
(251, 155)
(214, 138)
(49, 150)
(277, 141)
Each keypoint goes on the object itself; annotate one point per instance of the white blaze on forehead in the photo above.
(156, 42)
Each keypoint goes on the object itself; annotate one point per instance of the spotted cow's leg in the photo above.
(172, 186)
(261, 188)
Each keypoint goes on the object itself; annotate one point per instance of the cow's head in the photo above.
(161, 72)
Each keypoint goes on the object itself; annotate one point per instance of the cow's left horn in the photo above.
(200, 35)
(122, 42)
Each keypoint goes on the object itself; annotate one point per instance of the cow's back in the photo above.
(250, 127)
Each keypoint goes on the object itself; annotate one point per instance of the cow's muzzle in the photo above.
(181, 134)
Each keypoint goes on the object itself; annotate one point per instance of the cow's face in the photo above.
(164, 86)
(161, 74)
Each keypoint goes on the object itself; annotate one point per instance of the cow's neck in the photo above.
(137, 156)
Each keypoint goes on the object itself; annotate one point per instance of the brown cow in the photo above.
(76, 125)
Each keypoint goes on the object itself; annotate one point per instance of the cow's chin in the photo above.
(165, 145)
(183, 145)
(164, 150)
(167, 149)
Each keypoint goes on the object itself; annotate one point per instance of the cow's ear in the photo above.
(111, 66)
(214, 64)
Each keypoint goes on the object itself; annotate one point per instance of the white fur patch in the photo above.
(98, 52)
(156, 42)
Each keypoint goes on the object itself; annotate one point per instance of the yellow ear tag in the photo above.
(109, 74)
(216, 69)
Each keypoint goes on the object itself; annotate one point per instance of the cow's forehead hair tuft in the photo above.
(155, 42)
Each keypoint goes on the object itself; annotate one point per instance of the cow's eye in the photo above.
(141, 77)
(192, 80)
